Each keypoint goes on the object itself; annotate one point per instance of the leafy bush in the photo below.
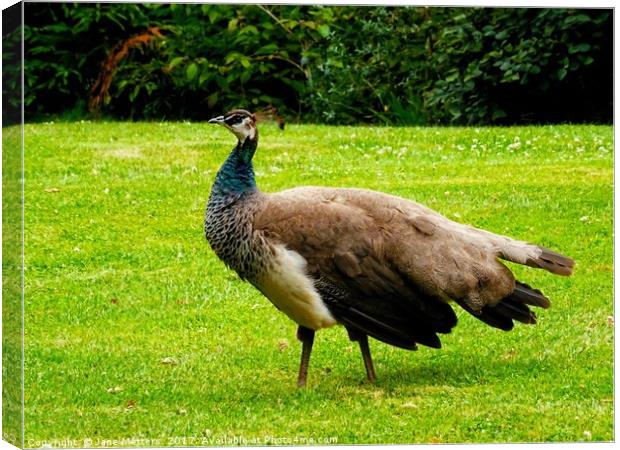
(215, 57)
(402, 65)
(494, 65)
(366, 73)
(467, 65)
(65, 44)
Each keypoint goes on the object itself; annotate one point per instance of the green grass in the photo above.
(120, 280)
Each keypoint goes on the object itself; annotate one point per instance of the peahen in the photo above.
(380, 265)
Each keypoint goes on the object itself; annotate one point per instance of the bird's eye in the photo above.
(233, 120)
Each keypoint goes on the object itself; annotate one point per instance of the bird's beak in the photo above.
(218, 119)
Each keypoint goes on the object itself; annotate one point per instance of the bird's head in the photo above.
(240, 122)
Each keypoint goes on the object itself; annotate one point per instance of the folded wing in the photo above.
(388, 266)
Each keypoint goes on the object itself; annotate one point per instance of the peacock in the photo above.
(380, 265)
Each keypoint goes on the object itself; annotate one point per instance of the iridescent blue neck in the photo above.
(237, 173)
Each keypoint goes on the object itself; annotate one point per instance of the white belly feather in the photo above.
(287, 285)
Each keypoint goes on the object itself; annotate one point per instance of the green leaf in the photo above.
(498, 114)
(212, 99)
(212, 12)
(191, 71)
(267, 49)
(579, 48)
(571, 21)
(134, 93)
(251, 29)
(204, 76)
(562, 73)
(452, 76)
(309, 24)
(232, 24)
(505, 65)
(245, 62)
(175, 62)
(245, 76)
(323, 30)
(455, 111)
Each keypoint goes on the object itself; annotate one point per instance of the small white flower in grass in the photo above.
(584, 218)
(76, 249)
(114, 390)
(409, 405)
(515, 145)
(106, 191)
(169, 360)
(587, 435)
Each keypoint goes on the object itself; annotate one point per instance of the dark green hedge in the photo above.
(407, 65)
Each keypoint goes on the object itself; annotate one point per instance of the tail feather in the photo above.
(524, 293)
(489, 316)
(512, 307)
(532, 255)
(516, 311)
(552, 262)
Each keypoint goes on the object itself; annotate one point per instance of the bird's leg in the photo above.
(362, 340)
(306, 336)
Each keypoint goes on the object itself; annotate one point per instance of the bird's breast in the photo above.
(228, 229)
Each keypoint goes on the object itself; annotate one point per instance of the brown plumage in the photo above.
(378, 264)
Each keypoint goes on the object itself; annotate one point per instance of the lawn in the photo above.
(137, 335)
